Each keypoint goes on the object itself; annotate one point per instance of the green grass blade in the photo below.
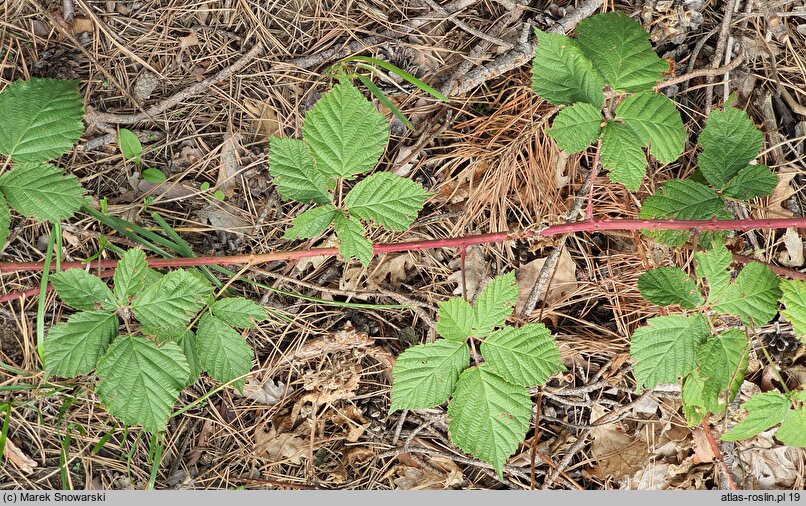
(43, 291)
(4, 430)
(399, 72)
(385, 100)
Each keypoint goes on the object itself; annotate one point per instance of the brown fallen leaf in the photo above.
(267, 393)
(283, 447)
(563, 282)
(14, 455)
(264, 115)
(230, 164)
(475, 272)
(793, 255)
(781, 193)
(614, 453)
(191, 39)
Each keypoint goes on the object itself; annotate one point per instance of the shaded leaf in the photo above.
(669, 285)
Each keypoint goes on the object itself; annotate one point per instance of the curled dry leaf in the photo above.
(793, 256)
(16, 456)
(475, 272)
(282, 447)
(264, 116)
(230, 164)
(563, 282)
(268, 392)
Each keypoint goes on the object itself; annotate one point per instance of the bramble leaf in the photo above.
(620, 50)
(525, 356)
(753, 296)
(239, 312)
(311, 223)
(130, 275)
(576, 127)
(729, 142)
(455, 321)
(763, 411)
(171, 302)
(792, 431)
(723, 361)
(561, 74)
(655, 120)
(488, 416)
(140, 382)
(354, 244)
(386, 199)
(751, 181)
(5, 222)
(81, 290)
(794, 298)
(425, 375)
(293, 172)
(347, 135)
(73, 348)
(185, 339)
(622, 155)
(669, 285)
(129, 145)
(713, 266)
(666, 348)
(221, 351)
(41, 191)
(695, 405)
(494, 304)
(40, 119)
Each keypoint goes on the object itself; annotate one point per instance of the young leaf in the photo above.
(494, 304)
(763, 411)
(666, 348)
(82, 290)
(792, 431)
(311, 223)
(293, 173)
(386, 199)
(622, 155)
(455, 321)
(172, 301)
(5, 222)
(722, 360)
(130, 275)
(488, 416)
(425, 375)
(669, 285)
(525, 356)
(154, 176)
(619, 48)
(140, 382)
(239, 312)
(562, 75)
(41, 191)
(729, 142)
(40, 119)
(222, 352)
(795, 301)
(753, 296)
(751, 181)
(130, 146)
(654, 118)
(713, 266)
(576, 127)
(695, 405)
(346, 133)
(73, 348)
(351, 233)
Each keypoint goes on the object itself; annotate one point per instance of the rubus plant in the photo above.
(173, 330)
(490, 406)
(343, 136)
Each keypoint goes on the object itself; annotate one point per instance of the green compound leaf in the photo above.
(669, 285)
(311, 223)
(488, 416)
(753, 296)
(222, 352)
(654, 118)
(5, 222)
(576, 127)
(792, 431)
(386, 199)
(130, 275)
(562, 75)
(622, 155)
(171, 302)
(494, 304)
(666, 348)
(81, 290)
(293, 173)
(525, 356)
(41, 191)
(763, 411)
(729, 142)
(795, 301)
(455, 321)
(425, 375)
(40, 119)
(620, 50)
(683, 200)
(722, 360)
(130, 145)
(714, 267)
(351, 233)
(752, 181)
(239, 312)
(73, 348)
(140, 382)
(347, 135)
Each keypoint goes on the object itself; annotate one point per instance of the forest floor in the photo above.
(315, 413)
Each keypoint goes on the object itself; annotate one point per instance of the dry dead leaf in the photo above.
(13, 453)
(475, 272)
(351, 420)
(230, 164)
(781, 193)
(220, 218)
(317, 261)
(563, 282)
(283, 447)
(81, 25)
(267, 393)
(793, 256)
(265, 116)
(703, 452)
(614, 453)
(191, 39)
